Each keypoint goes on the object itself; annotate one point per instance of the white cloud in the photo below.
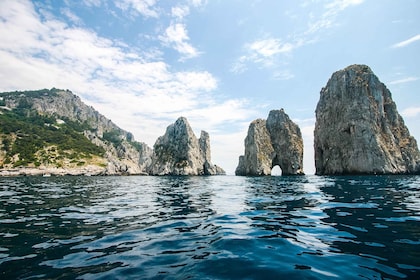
(283, 75)
(339, 5)
(197, 80)
(176, 36)
(267, 52)
(307, 127)
(407, 42)
(330, 14)
(239, 66)
(264, 52)
(198, 3)
(71, 16)
(92, 3)
(308, 149)
(221, 113)
(411, 112)
(143, 7)
(140, 95)
(404, 80)
(270, 47)
(180, 12)
(228, 145)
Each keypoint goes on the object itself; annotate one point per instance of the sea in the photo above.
(215, 227)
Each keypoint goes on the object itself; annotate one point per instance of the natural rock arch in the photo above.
(271, 142)
(276, 170)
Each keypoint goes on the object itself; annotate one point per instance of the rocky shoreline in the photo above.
(90, 170)
(358, 130)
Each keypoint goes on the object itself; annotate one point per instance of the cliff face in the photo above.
(53, 131)
(259, 152)
(271, 142)
(179, 152)
(115, 151)
(358, 128)
(287, 142)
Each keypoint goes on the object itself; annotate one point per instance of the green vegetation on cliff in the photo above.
(51, 129)
(28, 138)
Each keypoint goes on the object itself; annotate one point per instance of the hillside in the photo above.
(53, 131)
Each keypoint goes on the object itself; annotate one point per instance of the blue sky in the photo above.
(221, 64)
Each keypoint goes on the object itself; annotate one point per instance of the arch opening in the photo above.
(276, 171)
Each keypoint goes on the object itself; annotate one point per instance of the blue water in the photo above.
(221, 227)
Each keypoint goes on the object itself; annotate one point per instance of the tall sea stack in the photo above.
(179, 152)
(271, 142)
(358, 129)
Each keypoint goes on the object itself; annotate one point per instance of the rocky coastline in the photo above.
(52, 132)
(358, 130)
(90, 170)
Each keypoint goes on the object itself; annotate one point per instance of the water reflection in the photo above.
(375, 219)
(375, 213)
(227, 227)
(183, 197)
(282, 205)
(178, 232)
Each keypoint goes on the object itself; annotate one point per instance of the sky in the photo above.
(220, 64)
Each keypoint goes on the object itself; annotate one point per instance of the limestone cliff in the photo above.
(259, 152)
(271, 142)
(205, 154)
(62, 126)
(287, 142)
(358, 128)
(179, 152)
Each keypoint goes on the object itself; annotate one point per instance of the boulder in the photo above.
(271, 142)
(358, 129)
(179, 152)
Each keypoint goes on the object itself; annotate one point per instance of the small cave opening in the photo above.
(276, 171)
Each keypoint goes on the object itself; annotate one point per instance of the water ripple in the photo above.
(306, 227)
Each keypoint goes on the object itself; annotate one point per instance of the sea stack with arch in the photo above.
(358, 129)
(271, 142)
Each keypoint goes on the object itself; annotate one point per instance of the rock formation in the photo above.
(358, 129)
(122, 155)
(179, 152)
(259, 152)
(287, 142)
(54, 132)
(271, 142)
